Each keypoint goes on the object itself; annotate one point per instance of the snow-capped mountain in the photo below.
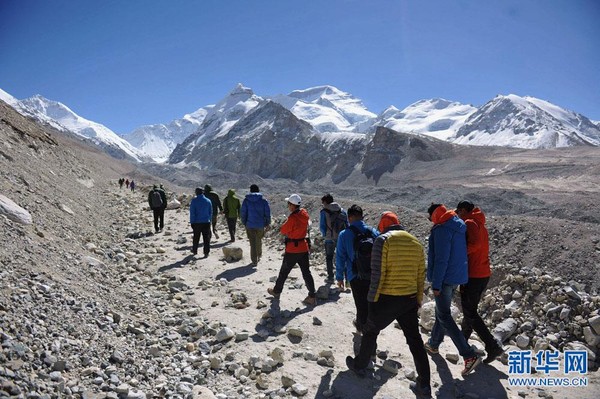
(219, 120)
(526, 122)
(158, 141)
(437, 117)
(62, 118)
(328, 109)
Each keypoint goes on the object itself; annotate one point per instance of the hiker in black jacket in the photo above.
(157, 200)
(216, 206)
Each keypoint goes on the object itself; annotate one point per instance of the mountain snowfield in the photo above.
(61, 117)
(506, 120)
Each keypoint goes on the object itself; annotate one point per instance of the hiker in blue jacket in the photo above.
(256, 217)
(345, 257)
(446, 269)
(200, 219)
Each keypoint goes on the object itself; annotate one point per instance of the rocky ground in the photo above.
(93, 305)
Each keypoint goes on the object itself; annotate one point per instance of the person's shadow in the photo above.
(180, 263)
(484, 381)
(238, 272)
(278, 319)
(348, 385)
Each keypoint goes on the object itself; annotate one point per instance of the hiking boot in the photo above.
(419, 391)
(272, 292)
(310, 300)
(470, 364)
(430, 349)
(493, 354)
(350, 364)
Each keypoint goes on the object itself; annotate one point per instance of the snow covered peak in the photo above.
(526, 122)
(327, 108)
(241, 89)
(63, 118)
(7, 98)
(436, 117)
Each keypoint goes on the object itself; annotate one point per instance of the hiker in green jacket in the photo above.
(231, 209)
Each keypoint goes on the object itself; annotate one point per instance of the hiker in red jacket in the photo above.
(478, 254)
(295, 230)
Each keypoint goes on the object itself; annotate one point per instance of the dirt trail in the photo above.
(336, 332)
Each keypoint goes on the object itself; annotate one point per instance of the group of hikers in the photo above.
(129, 184)
(384, 267)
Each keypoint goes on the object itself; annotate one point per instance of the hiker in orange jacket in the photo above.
(478, 254)
(295, 230)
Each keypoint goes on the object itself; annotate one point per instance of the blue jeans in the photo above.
(445, 324)
(329, 252)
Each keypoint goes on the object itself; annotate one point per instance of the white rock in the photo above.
(225, 334)
(13, 211)
(505, 330)
(522, 341)
(296, 332)
(591, 337)
(200, 392)
(452, 357)
(595, 324)
(391, 366)
(427, 315)
(287, 381)
(299, 389)
(66, 209)
(173, 204)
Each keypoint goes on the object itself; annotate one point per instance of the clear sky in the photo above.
(126, 63)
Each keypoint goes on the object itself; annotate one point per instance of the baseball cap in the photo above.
(294, 199)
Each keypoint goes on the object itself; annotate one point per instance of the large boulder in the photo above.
(13, 211)
(505, 330)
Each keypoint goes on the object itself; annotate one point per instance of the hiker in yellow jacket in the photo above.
(395, 293)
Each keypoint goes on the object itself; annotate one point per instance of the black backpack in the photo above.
(338, 222)
(363, 245)
(156, 199)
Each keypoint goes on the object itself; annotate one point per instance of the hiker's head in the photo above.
(155, 187)
(355, 213)
(432, 208)
(207, 188)
(327, 199)
(254, 189)
(199, 191)
(464, 208)
(293, 201)
(387, 219)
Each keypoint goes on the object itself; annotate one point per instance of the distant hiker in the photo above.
(132, 186)
(157, 200)
(127, 183)
(256, 217)
(333, 219)
(231, 209)
(395, 293)
(200, 217)
(216, 206)
(478, 253)
(446, 270)
(348, 262)
(121, 181)
(295, 230)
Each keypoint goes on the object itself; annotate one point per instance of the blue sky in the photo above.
(130, 63)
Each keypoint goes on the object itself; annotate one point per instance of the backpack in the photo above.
(338, 222)
(156, 200)
(363, 245)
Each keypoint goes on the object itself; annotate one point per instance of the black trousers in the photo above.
(159, 218)
(204, 229)
(231, 225)
(470, 296)
(382, 313)
(289, 260)
(360, 290)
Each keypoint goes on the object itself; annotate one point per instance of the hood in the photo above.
(231, 193)
(207, 188)
(477, 215)
(333, 207)
(254, 197)
(387, 219)
(448, 218)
